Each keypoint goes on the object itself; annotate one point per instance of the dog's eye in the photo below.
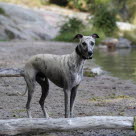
(92, 43)
(84, 44)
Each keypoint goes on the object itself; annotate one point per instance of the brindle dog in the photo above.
(65, 71)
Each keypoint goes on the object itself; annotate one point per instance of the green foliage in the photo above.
(126, 9)
(96, 4)
(59, 2)
(79, 4)
(69, 29)
(2, 11)
(135, 124)
(67, 37)
(104, 23)
(132, 11)
(105, 20)
(72, 25)
(86, 5)
(102, 1)
(10, 34)
(134, 19)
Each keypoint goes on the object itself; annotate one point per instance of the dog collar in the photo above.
(80, 54)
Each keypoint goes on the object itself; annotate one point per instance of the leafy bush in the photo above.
(79, 4)
(69, 29)
(59, 2)
(105, 20)
(126, 9)
(72, 25)
(67, 37)
(2, 11)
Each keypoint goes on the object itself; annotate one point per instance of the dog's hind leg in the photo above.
(43, 81)
(31, 87)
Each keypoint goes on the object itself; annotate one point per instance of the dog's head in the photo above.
(86, 45)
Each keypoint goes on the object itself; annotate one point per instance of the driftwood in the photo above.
(11, 72)
(38, 125)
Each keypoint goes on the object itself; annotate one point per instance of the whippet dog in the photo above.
(65, 71)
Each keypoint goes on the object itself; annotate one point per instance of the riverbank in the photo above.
(100, 95)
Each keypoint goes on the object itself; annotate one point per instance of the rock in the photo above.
(110, 42)
(97, 71)
(125, 26)
(19, 22)
(123, 43)
(113, 43)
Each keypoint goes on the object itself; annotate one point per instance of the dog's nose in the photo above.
(90, 53)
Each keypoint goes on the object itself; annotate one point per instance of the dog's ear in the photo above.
(78, 36)
(95, 36)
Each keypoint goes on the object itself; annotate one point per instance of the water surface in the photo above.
(120, 63)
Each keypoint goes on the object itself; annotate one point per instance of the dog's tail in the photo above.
(22, 73)
(13, 72)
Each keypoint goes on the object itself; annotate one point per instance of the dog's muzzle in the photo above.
(90, 54)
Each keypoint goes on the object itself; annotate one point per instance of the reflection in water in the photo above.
(120, 63)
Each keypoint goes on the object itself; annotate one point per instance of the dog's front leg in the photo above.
(72, 99)
(66, 99)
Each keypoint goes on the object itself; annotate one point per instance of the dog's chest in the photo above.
(76, 75)
(76, 78)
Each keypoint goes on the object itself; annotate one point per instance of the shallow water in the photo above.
(120, 63)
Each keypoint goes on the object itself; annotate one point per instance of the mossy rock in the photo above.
(89, 74)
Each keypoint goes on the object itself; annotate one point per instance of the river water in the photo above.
(120, 63)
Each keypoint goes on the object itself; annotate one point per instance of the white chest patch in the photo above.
(78, 78)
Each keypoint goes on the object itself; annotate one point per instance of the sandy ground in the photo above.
(101, 95)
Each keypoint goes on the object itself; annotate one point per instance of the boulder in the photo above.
(97, 71)
(17, 22)
(113, 43)
(110, 42)
(125, 26)
(123, 43)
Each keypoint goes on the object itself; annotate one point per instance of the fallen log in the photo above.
(38, 125)
(11, 72)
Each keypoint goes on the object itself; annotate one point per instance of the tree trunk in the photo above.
(38, 125)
